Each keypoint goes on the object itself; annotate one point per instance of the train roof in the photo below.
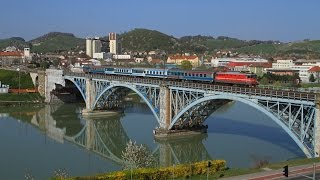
(233, 72)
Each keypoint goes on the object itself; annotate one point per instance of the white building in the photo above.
(138, 60)
(113, 43)
(303, 70)
(10, 49)
(95, 62)
(96, 46)
(93, 45)
(219, 62)
(283, 64)
(122, 56)
(89, 47)
(101, 55)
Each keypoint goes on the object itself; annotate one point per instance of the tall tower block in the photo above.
(89, 47)
(113, 43)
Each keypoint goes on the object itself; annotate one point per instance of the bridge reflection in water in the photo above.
(105, 136)
(108, 138)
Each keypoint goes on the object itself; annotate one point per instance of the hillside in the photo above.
(147, 40)
(57, 42)
(17, 42)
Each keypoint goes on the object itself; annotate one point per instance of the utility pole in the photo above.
(18, 69)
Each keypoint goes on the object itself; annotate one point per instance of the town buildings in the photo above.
(177, 59)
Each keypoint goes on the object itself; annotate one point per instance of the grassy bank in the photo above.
(192, 172)
(274, 166)
(175, 172)
(11, 78)
(23, 97)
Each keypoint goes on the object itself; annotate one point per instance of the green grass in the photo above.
(260, 49)
(11, 78)
(224, 44)
(310, 85)
(26, 97)
(237, 171)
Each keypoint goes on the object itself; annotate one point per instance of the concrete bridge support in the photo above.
(42, 83)
(53, 77)
(165, 107)
(89, 95)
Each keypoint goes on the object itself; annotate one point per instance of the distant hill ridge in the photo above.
(140, 39)
(50, 35)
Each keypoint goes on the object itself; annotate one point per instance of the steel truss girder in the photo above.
(105, 90)
(182, 98)
(80, 83)
(196, 115)
(152, 94)
(299, 118)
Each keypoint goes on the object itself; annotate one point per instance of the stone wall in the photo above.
(41, 82)
(53, 77)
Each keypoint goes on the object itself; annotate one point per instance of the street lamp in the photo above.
(18, 69)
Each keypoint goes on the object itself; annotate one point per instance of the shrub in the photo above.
(179, 171)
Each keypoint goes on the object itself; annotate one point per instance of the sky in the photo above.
(284, 20)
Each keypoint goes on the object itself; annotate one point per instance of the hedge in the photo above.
(179, 171)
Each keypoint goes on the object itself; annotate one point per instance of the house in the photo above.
(9, 58)
(255, 67)
(315, 70)
(177, 59)
(282, 72)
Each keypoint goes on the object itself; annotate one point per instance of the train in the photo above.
(225, 78)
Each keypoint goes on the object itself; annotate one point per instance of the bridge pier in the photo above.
(165, 107)
(89, 96)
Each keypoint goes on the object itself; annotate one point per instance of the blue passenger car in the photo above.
(159, 73)
(138, 72)
(109, 70)
(123, 71)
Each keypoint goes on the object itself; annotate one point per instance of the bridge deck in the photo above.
(265, 92)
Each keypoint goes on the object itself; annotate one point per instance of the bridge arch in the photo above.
(133, 89)
(251, 103)
(78, 87)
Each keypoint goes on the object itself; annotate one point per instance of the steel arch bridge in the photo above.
(181, 105)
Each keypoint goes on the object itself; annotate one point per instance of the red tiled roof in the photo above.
(183, 57)
(252, 64)
(156, 61)
(15, 53)
(314, 69)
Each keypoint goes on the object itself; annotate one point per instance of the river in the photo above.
(44, 140)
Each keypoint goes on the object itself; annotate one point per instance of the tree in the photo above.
(186, 65)
(312, 78)
(264, 81)
(137, 156)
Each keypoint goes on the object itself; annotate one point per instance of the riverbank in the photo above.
(10, 98)
(222, 173)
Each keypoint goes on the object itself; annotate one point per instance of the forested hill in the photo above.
(148, 40)
(57, 42)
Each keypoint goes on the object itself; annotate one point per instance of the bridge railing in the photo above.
(247, 91)
(289, 94)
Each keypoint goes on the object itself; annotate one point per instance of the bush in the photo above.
(179, 171)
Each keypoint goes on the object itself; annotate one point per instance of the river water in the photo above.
(41, 141)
